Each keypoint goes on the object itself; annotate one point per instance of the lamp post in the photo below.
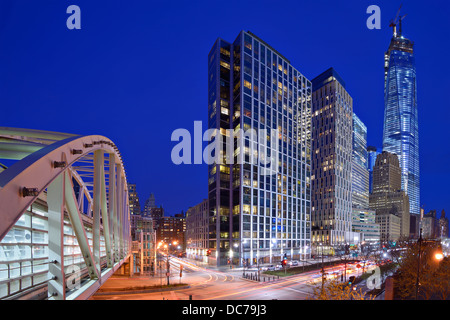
(438, 256)
(236, 246)
(159, 262)
(323, 271)
(418, 263)
(167, 263)
(241, 255)
(155, 250)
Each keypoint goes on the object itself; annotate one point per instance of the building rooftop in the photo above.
(325, 78)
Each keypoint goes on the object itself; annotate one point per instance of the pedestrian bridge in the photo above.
(64, 214)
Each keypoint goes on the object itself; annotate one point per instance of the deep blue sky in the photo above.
(137, 70)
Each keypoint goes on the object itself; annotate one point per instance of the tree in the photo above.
(433, 276)
(335, 290)
(367, 252)
(396, 252)
(441, 287)
(343, 253)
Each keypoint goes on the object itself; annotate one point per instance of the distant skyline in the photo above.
(135, 72)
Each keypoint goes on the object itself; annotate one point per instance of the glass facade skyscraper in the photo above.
(363, 219)
(256, 217)
(401, 133)
(360, 173)
(372, 153)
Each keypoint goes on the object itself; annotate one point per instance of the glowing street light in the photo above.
(439, 256)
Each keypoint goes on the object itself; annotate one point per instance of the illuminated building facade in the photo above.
(133, 200)
(363, 218)
(387, 197)
(197, 235)
(257, 217)
(401, 132)
(331, 196)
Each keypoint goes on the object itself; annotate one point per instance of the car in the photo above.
(334, 275)
(294, 263)
(271, 268)
(278, 267)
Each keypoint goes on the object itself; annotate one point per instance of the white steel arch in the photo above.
(79, 183)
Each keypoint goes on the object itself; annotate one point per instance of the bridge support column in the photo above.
(55, 200)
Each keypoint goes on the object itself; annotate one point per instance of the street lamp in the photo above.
(235, 246)
(439, 256)
(418, 263)
(323, 271)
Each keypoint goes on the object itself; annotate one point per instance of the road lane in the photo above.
(208, 284)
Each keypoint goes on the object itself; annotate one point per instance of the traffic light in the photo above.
(351, 279)
(284, 261)
(208, 253)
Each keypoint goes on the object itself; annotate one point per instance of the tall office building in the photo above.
(430, 225)
(443, 225)
(152, 211)
(331, 191)
(387, 173)
(360, 173)
(372, 153)
(133, 200)
(171, 230)
(364, 222)
(401, 133)
(143, 246)
(387, 198)
(197, 231)
(363, 218)
(258, 215)
(150, 203)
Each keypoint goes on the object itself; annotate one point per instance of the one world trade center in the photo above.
(401, 133)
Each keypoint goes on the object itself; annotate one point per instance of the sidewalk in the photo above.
(137, 284)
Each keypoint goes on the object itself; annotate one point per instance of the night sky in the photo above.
(137, 70)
